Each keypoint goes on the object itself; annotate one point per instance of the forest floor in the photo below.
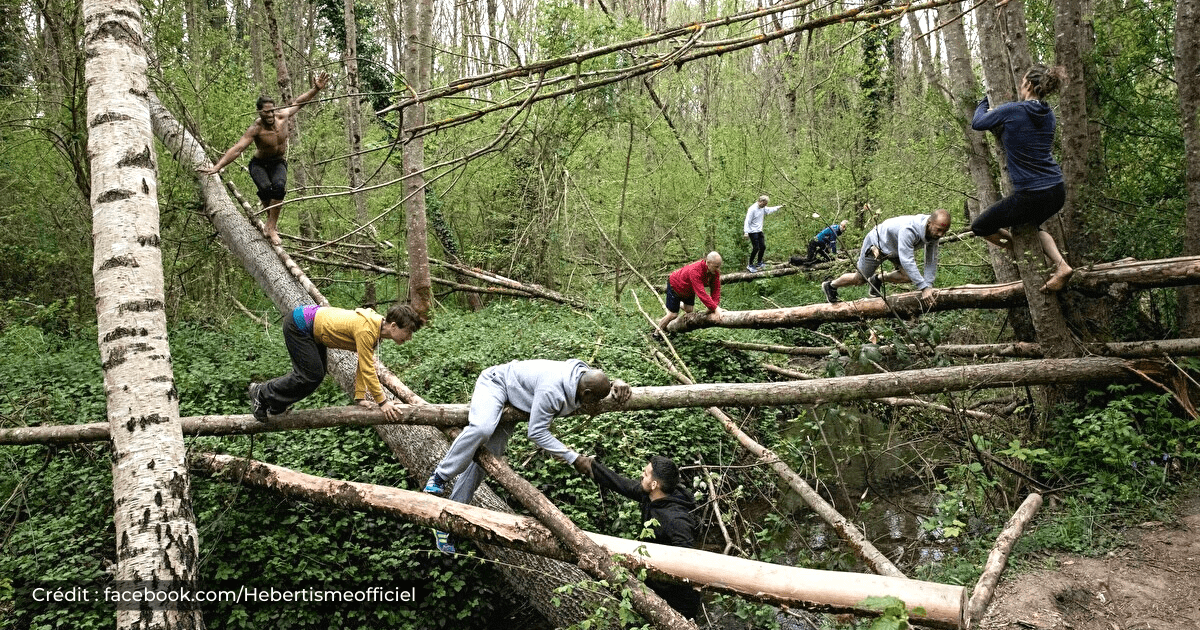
(1152, 582)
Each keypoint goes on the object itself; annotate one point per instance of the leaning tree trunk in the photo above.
(1187, 73)
(998, 74)
(418, 27)
(157, 541)
(418, 448)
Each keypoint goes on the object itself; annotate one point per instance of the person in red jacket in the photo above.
(700, 279)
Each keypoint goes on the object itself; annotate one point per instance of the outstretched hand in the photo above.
(583, 466)
(321, 81)
(620, 391)
(207, 170)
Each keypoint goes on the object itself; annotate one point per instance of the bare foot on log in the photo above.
(1058, 280)
(272, 235)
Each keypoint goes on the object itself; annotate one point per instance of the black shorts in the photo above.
(1020, 208)
(673, 299)
(270, 176)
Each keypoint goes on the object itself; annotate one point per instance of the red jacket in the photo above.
(692, 279)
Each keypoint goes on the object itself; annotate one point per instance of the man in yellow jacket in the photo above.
(310, 331)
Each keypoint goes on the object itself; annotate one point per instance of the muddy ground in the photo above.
(1150, 583)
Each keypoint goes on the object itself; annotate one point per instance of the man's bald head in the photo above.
(593, 387)
(713, 261)
(938, 223)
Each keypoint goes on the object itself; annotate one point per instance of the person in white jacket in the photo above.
(897, 240)
(752, 228)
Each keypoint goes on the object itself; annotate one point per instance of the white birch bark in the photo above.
(157, 541)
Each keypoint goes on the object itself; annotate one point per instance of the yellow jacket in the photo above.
(356, 330)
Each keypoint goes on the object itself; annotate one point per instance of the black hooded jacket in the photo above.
(676, 527)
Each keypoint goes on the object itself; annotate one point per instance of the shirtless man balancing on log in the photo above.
(268, 167)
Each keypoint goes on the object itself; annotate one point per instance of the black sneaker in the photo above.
(875, 286)
(831, 295)
(256, 406)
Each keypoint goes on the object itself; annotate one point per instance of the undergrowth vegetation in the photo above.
(1118, 454)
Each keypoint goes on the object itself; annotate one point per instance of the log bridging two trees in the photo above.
(817, 391)
(1108, 278)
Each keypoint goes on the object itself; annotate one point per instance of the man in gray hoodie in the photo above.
(545, 390)
(897, 240)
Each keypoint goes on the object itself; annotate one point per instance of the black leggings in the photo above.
(270, 176)
(758, 246)
(1021, 207)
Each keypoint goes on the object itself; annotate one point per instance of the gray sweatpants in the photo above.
(483, 427)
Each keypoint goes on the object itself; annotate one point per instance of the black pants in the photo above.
(683, 598)
(270, 176)
(309, 363)
(758, 246)
(1023, 206)
(816, 247)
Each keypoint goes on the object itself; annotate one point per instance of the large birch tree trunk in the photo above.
(419, 448)
(157, 541)
(1187, 73)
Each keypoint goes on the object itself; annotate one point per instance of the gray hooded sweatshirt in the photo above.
(898, 238)
(546, 390)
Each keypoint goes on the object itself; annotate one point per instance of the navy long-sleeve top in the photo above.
(1027, 130)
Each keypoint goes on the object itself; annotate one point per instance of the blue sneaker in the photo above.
(442, 540)
(435, 485)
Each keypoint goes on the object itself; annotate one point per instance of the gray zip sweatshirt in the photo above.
(546, 390)
(898, 238)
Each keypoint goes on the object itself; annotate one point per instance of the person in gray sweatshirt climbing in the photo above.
(897, 240)
(1026, 127)
(545, 390)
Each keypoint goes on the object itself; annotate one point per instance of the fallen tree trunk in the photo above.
(811, 392)
(1024, 350)
(998, 559)
(1114, 277)
(807, 588)
(792, 374)
(917, 402)
(389, 271)
(535, 290)
(844, 528)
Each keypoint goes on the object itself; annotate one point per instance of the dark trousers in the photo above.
(683, 598)
(816, 247)
(1023, 206)
(758, 246)
(270, 177)
(309, 363)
